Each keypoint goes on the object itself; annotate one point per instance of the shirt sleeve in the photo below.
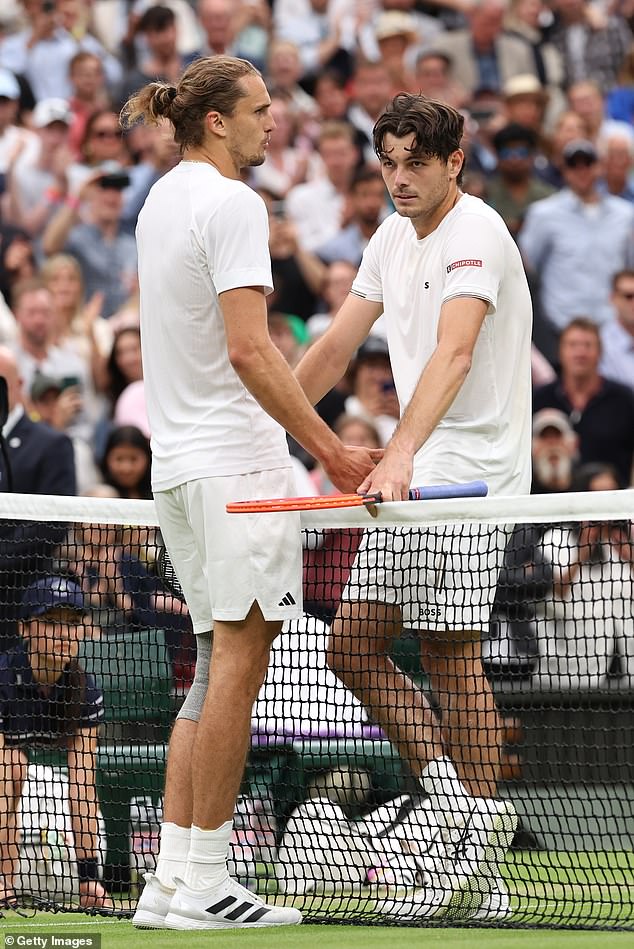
(236, 241)
(473, 260)
(92, 713)
(367, 283)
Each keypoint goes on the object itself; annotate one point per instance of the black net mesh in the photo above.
(332, 816)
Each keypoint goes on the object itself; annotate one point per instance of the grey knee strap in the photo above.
(193, 704)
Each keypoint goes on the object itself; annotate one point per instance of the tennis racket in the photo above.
(431, 492)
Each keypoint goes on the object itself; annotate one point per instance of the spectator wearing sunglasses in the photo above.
(514, 184)
(574, 241)
(617, 334)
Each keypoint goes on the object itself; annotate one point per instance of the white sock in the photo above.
(447, 793)
(172, 858)
(207, 858)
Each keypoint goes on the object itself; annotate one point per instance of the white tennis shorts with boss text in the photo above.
(226, 562)
(440, 577)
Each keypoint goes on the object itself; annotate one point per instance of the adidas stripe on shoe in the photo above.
(228, 906)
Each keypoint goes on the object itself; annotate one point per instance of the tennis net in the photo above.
(331, 816)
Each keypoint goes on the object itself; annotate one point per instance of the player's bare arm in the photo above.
(268, 377)
(327, 359)
(460, 323)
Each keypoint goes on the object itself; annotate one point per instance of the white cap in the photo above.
(551, 418)
(48, 111)
(9, 86)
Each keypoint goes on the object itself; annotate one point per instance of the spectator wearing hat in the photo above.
(47, 698)
(617, 334)
(514, 185)
(396, 39)
(36, 183)
(575, 240)
(525, 101)
(567, 127)
(555, 452)
(42, 52)
(13, 138)
(106, 253)
(599, 410)
(482, 55)
(373, 393)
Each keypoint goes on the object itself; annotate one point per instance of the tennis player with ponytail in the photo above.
(219, 396)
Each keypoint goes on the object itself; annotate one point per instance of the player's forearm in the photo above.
(268, 377)
(320, 369)
(437, 388)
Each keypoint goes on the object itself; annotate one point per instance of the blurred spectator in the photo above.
(433, 75)
(160, 60)
(373, 393)
(42, 52)
(317, 207)
(58, 404)
(370, 91)
(482, 55)
(555, 452)
(352, 430)
(126, 462)
(337, 284)
(616, 152)
(234, 29)
(423, 27)
(576, 240)
(586, 99)
(106, 254)
(88, 95)
(330, 92)
(524, 21)
(568, 127)
(586, 625)
(620, 98)
(515, 185)
(367, 206)
(17, 263)
(13, 138)
(592, 44)
(36, 351)
(617, 333)
(39, 461)
(37, 183)
(324, 37)
(102, 142)
(124, 364)
(298, 274)
(48, 699)
(283, 72)
(396, 38)
(601, 411)
(131, 409)
(289, 334)
(525, 102)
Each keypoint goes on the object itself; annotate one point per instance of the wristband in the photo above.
(88, 869)
(53, 195)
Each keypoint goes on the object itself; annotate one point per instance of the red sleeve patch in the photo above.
(463, 263)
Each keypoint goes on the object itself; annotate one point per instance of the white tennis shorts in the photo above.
(441, 577)
(226, 562)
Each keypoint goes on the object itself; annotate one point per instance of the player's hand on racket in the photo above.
(351, 466)
(391, 477)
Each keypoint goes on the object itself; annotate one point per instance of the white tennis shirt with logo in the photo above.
(486, 432)
(200, 234)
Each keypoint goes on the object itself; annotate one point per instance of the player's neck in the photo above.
(424, 225)
(220, 160)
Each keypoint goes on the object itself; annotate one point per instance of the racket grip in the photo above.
(437, 492)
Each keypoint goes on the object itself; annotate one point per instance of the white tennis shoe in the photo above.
(153, 904)
(227, 906)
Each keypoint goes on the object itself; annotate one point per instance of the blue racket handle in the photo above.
(436, 492)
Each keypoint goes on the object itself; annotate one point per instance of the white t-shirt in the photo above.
(485, 434)
(200, 234)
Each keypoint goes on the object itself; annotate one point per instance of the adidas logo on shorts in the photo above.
(287, 600)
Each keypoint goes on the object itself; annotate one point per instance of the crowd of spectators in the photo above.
(547, 91)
